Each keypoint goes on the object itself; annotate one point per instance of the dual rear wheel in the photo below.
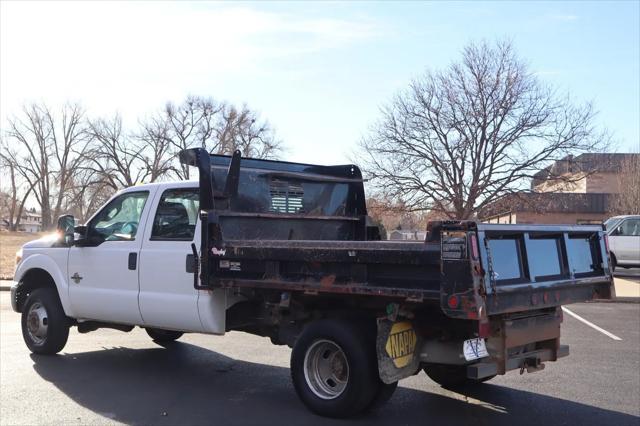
(335, 370)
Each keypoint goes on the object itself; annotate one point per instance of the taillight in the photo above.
(484, 329)
(474, 247)
(606, 242)
(453, 301)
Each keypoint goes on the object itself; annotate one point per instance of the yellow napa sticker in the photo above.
(401, 344)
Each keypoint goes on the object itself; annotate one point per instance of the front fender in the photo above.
(53, 268)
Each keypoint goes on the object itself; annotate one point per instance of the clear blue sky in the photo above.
(318, 71)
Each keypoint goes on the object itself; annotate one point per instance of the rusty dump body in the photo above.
(302, 229)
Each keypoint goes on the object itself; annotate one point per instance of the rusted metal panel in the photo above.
(302, 227)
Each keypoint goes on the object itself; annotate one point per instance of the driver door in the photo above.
(103, 272)
(627, 241)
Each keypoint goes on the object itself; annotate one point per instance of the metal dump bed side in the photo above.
(517, 268)
(289, 226)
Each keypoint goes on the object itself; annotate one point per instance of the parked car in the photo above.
(624, 240)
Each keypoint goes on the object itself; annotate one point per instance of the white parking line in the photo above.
(590, 324)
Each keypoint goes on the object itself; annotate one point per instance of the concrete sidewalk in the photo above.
(626, 290)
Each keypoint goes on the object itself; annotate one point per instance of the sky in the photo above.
(318, 72)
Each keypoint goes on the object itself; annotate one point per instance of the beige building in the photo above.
(415, 235)
(574, 190)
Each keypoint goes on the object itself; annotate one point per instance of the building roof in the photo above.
(588, 162)
(548, 202)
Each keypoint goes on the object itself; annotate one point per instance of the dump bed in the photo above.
(300, 227)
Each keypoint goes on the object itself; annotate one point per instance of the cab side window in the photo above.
(176, 215)
(629, 228)
(119, 220)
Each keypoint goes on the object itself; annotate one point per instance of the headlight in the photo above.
(18, 256)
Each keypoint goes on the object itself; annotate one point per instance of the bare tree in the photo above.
(241, 129)
(466, 136)
(87, 193)
(216, 126)
(627, 201)
(14, 196)
(157, 156)
(48, 150)
(114, 157)
(69, 163)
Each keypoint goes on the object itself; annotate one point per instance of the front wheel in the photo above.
(334, 368)
(45, 327)
(452, 376)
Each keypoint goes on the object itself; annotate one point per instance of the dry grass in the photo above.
(10, 242)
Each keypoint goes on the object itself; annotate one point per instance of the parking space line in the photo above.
(590, 324)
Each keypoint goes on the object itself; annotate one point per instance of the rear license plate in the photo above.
(474, 349)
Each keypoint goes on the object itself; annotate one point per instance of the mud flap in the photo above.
(397, 347)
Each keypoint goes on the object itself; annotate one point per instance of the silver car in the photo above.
(624, 240)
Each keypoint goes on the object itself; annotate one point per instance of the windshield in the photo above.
(610, 223)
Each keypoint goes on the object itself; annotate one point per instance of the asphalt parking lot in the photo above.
(109, 377)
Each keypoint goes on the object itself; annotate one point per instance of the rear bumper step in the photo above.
(530, 361)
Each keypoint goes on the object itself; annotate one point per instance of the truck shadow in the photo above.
(190, 385)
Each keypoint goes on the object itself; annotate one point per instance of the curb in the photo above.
(618, 300)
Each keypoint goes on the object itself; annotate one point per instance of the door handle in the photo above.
(133, 260)
(190, 264)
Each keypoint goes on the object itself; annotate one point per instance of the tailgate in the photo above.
(537, 266)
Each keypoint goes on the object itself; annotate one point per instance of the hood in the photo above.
(44, 242)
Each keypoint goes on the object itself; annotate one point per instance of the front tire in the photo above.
(163, 336)
(452, 376)
(334, 368)
(45, 327)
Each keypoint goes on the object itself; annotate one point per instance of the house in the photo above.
(575, 190)
(30, 221)
(414, 235)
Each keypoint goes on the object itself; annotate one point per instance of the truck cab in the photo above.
(132, 265)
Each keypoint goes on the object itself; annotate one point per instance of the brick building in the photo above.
(574, 190)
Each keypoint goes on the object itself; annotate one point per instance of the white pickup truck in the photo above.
(286, 250)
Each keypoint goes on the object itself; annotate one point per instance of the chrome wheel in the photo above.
(37, 323)
(326, 369)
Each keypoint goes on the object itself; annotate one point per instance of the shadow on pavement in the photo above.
(193, 385)
(632, 274)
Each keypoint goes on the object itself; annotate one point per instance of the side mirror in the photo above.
(81, 238)
(65, 228)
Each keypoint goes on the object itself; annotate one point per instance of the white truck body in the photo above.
(287, 251)
(157, 293)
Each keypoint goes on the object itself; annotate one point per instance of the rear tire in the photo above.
(334, 368)
(384, 394)
(45, 327)
(614, 261)
(452, 376)
(163, 336)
